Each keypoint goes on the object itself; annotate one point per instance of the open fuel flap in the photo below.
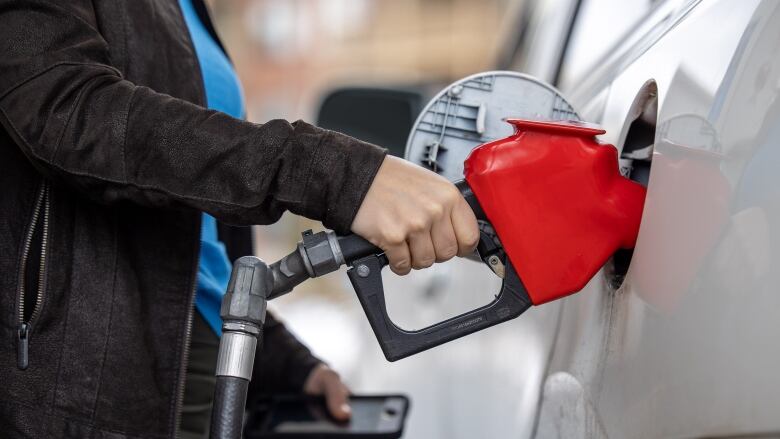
(471, 112)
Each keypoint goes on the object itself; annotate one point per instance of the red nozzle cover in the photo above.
(556, 198)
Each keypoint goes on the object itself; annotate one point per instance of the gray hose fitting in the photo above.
(243, 314)
(320, 252)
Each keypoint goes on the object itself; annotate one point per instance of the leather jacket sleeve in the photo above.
(80, 122)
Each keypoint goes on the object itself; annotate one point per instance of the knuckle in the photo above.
(401, 264)
(417, 224)
(467, 246)
(448, 252)
(435, 210)
(423, 263)
(401, 270)
(394, 237)
(473, 238)
(452, 195)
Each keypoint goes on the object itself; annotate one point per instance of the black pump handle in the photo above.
(397, 343)
(323, 252)
(367, 261)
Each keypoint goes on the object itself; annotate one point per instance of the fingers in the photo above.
(463, 223)
(422, 250)
(445, 243)
(337, 399)
(437, 236)
(415, 216)
(399, 257)
(325, 381)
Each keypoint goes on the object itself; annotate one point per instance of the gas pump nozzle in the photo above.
(324, 252)
(552, 208)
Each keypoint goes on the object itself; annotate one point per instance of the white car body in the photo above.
(688, 346)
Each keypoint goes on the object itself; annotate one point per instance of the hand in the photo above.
(416, 216)
(323, 380)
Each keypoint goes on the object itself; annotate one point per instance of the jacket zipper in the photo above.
(184, 363)
(40, 214)
(187, 337)
(203, 15)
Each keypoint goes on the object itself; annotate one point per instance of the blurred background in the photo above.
(289, 55)
(289, 52)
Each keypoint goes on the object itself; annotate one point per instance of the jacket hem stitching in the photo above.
(56, 414)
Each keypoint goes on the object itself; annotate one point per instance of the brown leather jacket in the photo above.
(106, 159)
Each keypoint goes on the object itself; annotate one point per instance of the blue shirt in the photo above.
(223, 93)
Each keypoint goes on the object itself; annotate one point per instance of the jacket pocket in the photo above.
(31, 288)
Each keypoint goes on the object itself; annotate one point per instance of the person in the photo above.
(108, 160)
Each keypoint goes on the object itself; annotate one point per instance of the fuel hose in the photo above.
(243, 314)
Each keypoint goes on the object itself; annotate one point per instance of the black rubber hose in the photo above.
(227, 415)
